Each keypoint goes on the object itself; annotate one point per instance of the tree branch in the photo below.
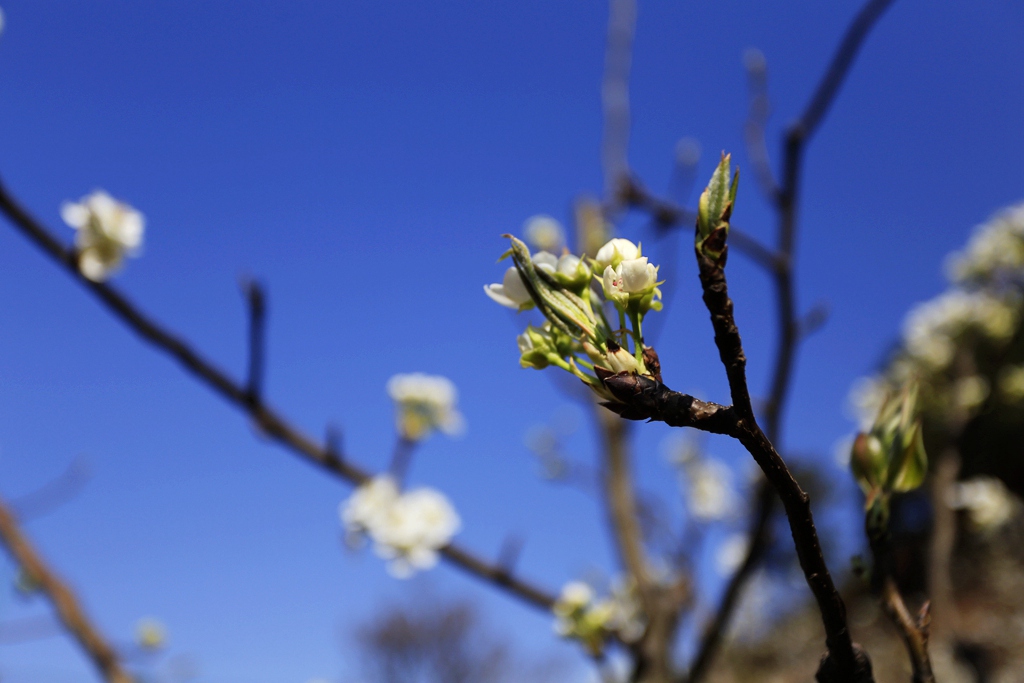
(779, 265)
(270, 423)
(64, 602)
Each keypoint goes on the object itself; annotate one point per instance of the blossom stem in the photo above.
(638, 339)
(401, 456)
(622, 328)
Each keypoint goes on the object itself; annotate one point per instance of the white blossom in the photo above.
(637, 275)
(987, 501)
(731, 553)
(369, 505)
(108, 230)
(865, 399)
(407, 529)
(150, 634)
(931, 329)
(424, 403)
(511, 293)
(544, 232)
(710, 494)
(996, 246)
(615, 252)
(627, 616)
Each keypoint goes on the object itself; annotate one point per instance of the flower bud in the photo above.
(615, 252)
(714, 210)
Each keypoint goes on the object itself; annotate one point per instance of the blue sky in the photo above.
(362, 159)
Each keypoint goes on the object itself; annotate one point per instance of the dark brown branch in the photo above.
(645, 399)
(267, 420)
(779, 264)
(64, 602)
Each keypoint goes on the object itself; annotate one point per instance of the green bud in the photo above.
(891, 457)
(714, 210)
(566, 311)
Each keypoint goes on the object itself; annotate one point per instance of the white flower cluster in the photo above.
(424, 403)
(931, 330)
(407, 528)
(108, 230)
(987, 501)
(578, 330)
(995, 250)
(579, 615)
(709, 489)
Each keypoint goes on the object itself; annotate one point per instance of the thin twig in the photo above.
(270, 423)
(64, 602)
(615, 94)
(914, 631)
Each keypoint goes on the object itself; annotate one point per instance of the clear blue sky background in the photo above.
(362, 158)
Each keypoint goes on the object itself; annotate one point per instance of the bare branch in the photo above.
(914, 631)
(615, 94)
(64, 602)
(850, 45)
(266, 419)
(757, 119)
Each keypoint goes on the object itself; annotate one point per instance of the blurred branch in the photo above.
(257, 307)
(615, 93)
(273, 425)
(914, 631)
(64, 602)
(53, 493)
(757, 119)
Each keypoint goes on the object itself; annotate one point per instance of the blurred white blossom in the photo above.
(150, 634)
(996, 247)
(544, 233)
(108, 230)
(407, 528)
(424, 403)
(580, 616)
(865, 399)
(710, 492)
(932, 328)
(731, 552)
(987, 501)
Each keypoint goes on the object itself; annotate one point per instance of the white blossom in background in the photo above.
(627, 617)
(368, 506)
(417, 526)
(709, 487)
(424, 403)
(579, 615)
(931, 329)
(544, 233)
(150, 634)
(987, 501)
(865, 399)
(407, 529)
(995, 247)
(731, 553)
(1011, 383)
(2, 21)
(108, 230)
